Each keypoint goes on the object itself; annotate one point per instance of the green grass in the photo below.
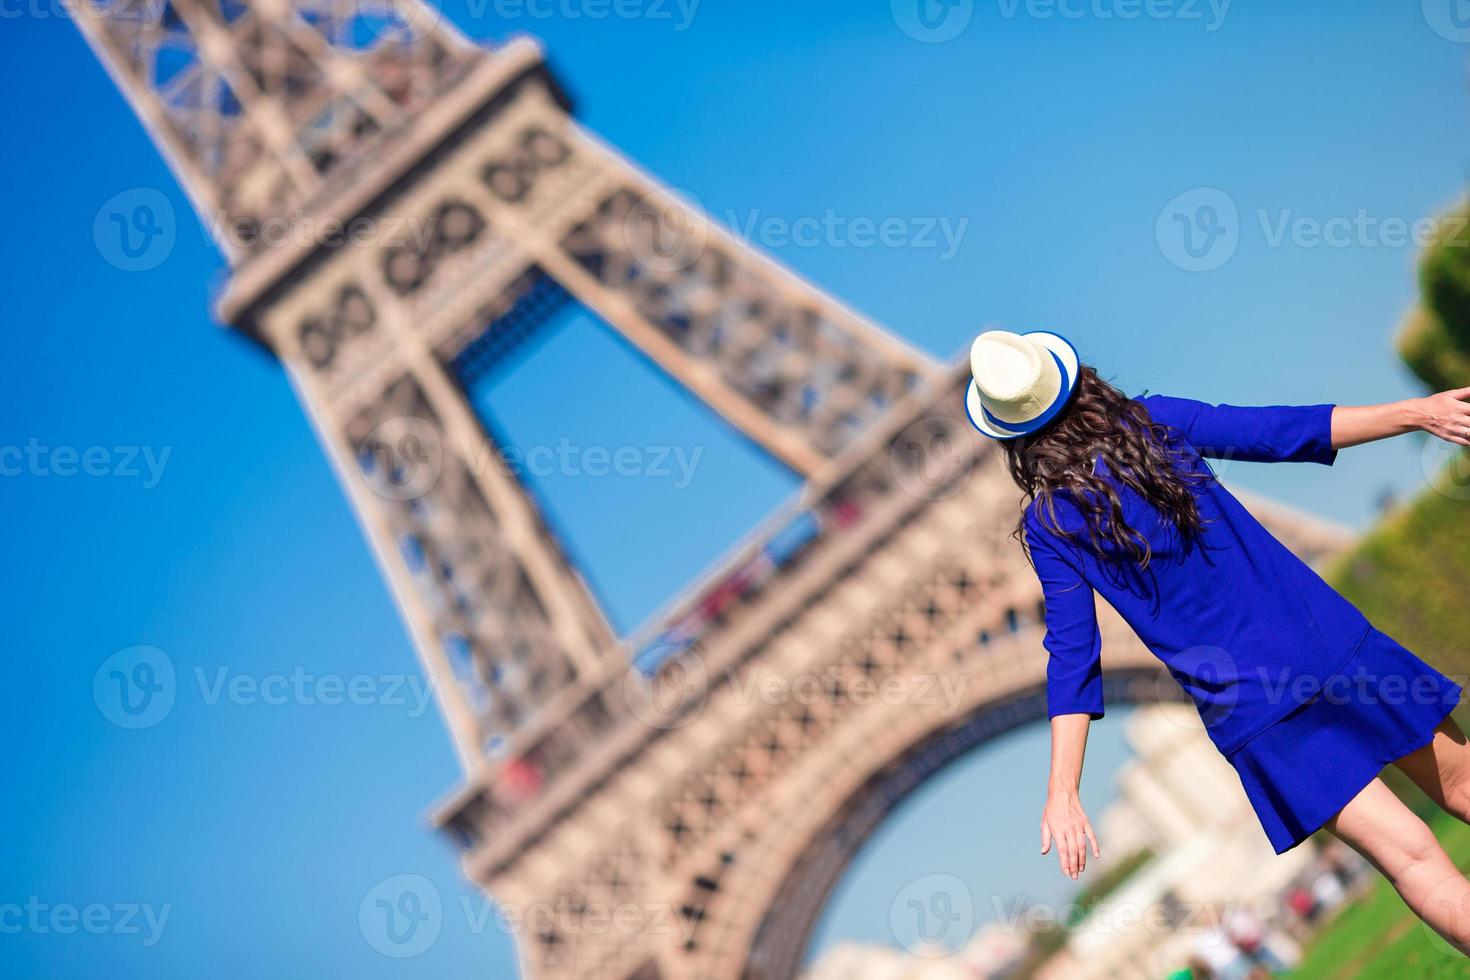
(1378, 938)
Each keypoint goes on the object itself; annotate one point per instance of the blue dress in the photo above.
(1295, 687)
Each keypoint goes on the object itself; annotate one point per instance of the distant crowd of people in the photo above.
(1242, 945)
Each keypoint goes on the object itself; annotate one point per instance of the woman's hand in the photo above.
(1064, 822)
(1446, 415)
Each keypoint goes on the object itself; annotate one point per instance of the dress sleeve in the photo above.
(1270, 434)
(1073, 642)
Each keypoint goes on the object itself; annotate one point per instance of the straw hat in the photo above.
(1021, 381)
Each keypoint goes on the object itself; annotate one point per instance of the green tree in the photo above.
(1435, 338)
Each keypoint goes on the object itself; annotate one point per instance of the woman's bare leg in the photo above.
(1380, 827)
(1442, 769)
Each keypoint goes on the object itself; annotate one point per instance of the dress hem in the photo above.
(1396, 754)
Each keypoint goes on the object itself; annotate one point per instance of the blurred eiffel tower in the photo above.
(399, 208)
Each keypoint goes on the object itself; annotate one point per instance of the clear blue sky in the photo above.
(1056, 142)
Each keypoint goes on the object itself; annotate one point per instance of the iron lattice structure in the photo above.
(627, 777)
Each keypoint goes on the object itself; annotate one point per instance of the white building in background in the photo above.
(992, 952)
(857, 961)
(1181, 800)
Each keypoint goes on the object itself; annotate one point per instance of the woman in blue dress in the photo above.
(1295, 687)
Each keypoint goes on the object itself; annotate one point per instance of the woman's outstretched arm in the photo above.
(1063, 819)
(1446, 415)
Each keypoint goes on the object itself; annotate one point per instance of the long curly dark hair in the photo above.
(1101, 423)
